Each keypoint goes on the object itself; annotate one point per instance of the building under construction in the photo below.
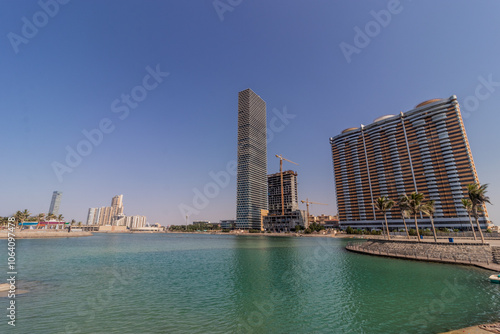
(284, 214)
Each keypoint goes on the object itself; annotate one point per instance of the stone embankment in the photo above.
(481, 255)
(496, 254)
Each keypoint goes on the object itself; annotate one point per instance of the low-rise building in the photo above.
(228, 224)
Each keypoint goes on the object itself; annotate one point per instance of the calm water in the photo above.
(157, 283)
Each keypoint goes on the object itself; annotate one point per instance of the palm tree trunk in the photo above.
(406, 228)
(479, 228)
(472, 226)
(416, 226)
(383, 229)
(387, 226)
(433, 229)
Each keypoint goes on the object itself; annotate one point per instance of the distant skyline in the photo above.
(140, 98)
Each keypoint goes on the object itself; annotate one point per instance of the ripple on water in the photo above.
(217, 284)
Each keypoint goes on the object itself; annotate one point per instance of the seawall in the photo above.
(477, 254)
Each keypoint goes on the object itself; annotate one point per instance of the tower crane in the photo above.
(307, 201)
(281, 176)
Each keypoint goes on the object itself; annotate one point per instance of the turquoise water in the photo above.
(181, 283)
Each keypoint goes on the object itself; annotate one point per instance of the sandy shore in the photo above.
(4, 290)
(494, 328)
(42, 234)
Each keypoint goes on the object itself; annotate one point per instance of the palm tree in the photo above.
(20, 216)
(478, 198)
(383, 204)
(26, 214)
(50, 216)
(429, 209)
(40, 217)
(403, 206)
(60, 217)
(468, 206)
(414, 204)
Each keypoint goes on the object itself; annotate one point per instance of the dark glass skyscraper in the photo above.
(251, 195)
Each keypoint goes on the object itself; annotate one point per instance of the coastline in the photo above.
(39, 234)
(49, 234)
(479, 329)
(43, 234)
(449, 253)
(331, 235)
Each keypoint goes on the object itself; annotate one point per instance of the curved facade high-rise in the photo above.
(251, 192)
(55, 202)
(423, 150)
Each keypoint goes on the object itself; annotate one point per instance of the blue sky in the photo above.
(65, 77)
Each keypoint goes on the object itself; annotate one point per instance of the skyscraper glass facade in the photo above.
(55, 202)
(251, 190)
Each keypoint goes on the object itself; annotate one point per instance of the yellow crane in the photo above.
(307, 201)
(281, 176)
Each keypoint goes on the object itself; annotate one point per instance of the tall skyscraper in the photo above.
(275, 220)
(251, 186)
(55, 203)
(424, 150)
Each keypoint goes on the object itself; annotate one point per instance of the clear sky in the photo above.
(80, 68)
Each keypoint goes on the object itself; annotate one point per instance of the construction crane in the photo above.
(281, 176)
(307, 205)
